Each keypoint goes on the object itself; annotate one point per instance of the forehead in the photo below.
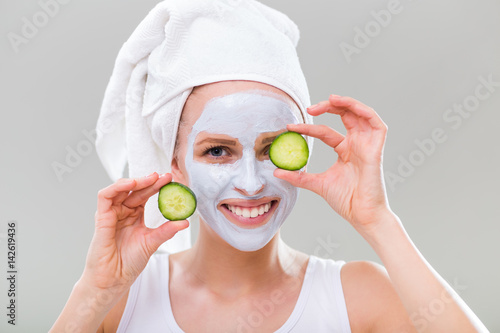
(244, 112)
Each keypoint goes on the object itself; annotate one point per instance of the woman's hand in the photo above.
(122, 244)
(354, 188)
(353, 185)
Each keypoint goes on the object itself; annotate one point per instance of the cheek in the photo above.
(281, 187)
(209, 180)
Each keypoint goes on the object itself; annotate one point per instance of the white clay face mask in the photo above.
(242, 201)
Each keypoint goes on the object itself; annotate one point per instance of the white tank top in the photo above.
(319, 308)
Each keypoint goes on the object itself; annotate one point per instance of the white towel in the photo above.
(179, 45)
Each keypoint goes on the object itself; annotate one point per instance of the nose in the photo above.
(249, 181)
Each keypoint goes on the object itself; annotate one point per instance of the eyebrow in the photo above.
(217, 141)
(268, 139)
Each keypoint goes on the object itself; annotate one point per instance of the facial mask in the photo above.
(243, 116)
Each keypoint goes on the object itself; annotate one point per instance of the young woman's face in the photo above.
(228, 167)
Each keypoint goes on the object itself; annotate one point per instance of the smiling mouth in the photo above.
(247, 215)
(250, 211)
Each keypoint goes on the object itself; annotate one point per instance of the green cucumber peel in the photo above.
(289, 151)
(176, 201)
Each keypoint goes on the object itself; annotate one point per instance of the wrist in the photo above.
(385, 223)
(85, 309)
(95, 299)
(95, 282)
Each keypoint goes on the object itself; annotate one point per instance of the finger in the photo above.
(141, 183)
(319, 108)
(165, 232)
(338, 105)
(326, 134)
(137, 198)
(297, 178)
(107, 224)
(106, 196)
(343, 104)
(349, 119)
(116, 193)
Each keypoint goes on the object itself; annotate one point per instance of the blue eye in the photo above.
(217, 151)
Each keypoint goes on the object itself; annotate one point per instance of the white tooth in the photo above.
(237, 211)
(245, 212)
(266, 208)
(261, 209)
(231, 208)
(254, 212)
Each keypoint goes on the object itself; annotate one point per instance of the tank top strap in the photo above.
(325, 310)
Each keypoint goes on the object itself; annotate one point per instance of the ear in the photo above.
(177, 174)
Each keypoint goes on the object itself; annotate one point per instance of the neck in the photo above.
(228, 271)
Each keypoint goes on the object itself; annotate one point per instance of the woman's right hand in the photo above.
(122, 244)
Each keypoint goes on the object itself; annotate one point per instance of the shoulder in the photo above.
(371, 300)
(364, 278)
(366, 273)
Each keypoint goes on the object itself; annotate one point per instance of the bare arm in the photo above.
(119, 251)
(354, 188)
(430, 301)
(85, 309)
(372, 303)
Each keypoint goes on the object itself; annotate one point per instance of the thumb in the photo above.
(297, 178)
(166, 231)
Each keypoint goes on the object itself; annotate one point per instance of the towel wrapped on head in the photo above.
(182, 44)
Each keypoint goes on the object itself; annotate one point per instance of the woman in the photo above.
(240, 276)
(213, 284)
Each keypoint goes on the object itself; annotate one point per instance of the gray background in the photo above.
(426, 59)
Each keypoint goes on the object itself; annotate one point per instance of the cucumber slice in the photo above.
(289, 151)
(176, 201)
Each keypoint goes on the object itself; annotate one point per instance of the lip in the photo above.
(248, 222)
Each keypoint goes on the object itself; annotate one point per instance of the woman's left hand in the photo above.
(354, 184)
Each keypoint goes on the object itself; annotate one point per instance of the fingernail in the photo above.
(151, 175)
(313, 106)
(334, 96)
